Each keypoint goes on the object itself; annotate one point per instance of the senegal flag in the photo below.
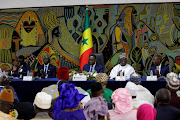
(87, 44)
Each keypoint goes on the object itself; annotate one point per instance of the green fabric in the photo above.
(86, 21)
(106, 94)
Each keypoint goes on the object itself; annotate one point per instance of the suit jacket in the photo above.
(51, 71)
(16, 73)
(164, 70)
(25, 110)
(99, 68)
(165, 112)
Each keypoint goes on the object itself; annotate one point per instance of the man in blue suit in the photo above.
(47, 70)
(158, 68)
(93, 65)
(20, 68)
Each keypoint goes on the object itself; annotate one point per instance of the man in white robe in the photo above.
(122, 69)
(133, 90)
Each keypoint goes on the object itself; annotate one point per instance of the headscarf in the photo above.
(123, 55)
(63, 73)
(69, 97)
(102, 78)
(146, 112)
(122, 100)
(96, 106)
(135, 78)
(132, 88)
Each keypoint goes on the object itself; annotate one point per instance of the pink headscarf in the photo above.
(146, 112)
(122, 100)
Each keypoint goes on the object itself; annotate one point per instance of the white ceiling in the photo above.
(42, 3)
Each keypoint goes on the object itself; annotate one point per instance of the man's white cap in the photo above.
(43, 100)
(132, 88)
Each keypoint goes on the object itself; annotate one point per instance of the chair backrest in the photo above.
(99, 58)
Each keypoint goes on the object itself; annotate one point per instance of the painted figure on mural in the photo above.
(47, 70)
(123, 35)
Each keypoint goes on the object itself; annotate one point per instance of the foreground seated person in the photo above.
(103, 79)
(123, 109)
(158, 68)
(6, 103)
(173, 85)
(93, 65)
(133, 90)
(63, 76)
(68, 105)
(47, 70)
(122, 69)
(142, 93)
(164, 111)
(20, 68)
(146, 112)
(4, 81)
(96, 109)
(42, 103)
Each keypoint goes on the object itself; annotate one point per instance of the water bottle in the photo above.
(121, 73)
(4, 73)
(28, 74)
(151, 73)
(179, 75)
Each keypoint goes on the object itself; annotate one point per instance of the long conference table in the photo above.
(26, 90)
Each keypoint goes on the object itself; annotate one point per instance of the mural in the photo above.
(140, 30)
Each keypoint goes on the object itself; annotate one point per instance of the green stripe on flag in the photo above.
(86, 21)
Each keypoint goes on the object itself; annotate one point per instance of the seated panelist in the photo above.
(47, 70)
(93, 65)
(20, 68)
(158, 68)
(122, 69)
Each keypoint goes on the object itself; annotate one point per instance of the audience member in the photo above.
(103, 79)
(143, 93)
(158, 68)
(123, 108)
(68, 105)
(47, 70)
(4, 81)
(6, 103)
(146, 112)
(122, 69)
(42, 104)
(96, 109)
(93, 65)
(133, 90)
(20, 68)
(25, 110)
(164, 111)
(173, 85)
(63, 76)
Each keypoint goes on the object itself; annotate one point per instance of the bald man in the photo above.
(47, 70)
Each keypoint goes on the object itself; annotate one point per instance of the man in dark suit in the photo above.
(47, 70)
(93, 65)
(20, 68)
(158, 68)
(164, 111)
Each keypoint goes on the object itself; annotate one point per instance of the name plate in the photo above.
(27, 78)
(79, 78)
(120, 78)
(151, 78)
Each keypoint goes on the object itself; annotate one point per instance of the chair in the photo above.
(99, 58)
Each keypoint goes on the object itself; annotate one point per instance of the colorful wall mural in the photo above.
(140, 30)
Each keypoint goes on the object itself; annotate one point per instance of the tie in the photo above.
(91, 68)
(45, 69)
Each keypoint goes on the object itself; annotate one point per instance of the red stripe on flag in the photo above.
(85, 57)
